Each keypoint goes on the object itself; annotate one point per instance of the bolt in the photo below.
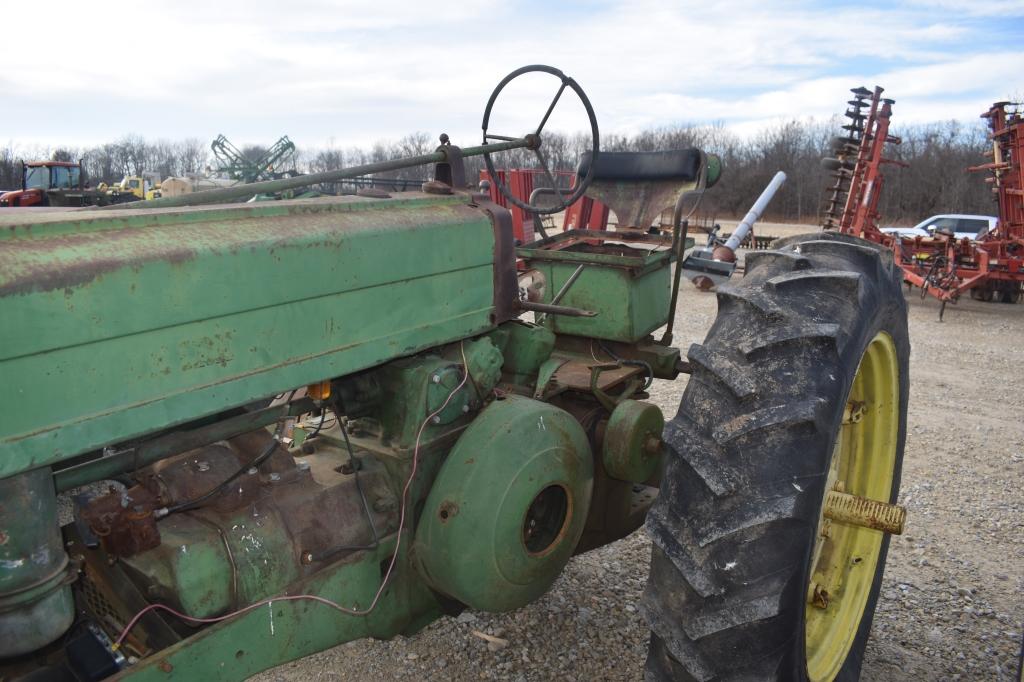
(307, 558)
(465, 408)
(436, 419)
(302, 465)
(854, 412)
(251, 471)
(436, 378)
(818, 596)
(274, 478)
(203, 466)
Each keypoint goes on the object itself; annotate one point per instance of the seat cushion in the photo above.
(680, 164)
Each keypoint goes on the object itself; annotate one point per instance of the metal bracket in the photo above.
(606, 400)
(452, 170)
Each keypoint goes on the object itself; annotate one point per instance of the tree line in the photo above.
(935, 180)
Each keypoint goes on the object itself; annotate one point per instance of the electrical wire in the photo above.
(315, 598)
(216, 619)
(362, 496)
(320, 424)
(633, 363)
(260, 459)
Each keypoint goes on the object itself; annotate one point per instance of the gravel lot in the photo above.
(953, 597)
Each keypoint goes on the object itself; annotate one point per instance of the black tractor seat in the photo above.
(680, 164)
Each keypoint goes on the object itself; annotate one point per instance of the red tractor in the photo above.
(57, 183)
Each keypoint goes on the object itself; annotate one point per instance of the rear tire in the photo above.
(735, 524)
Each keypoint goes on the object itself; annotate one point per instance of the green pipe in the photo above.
(224, 194)
(36, 606)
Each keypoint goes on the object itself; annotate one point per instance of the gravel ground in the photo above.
(953, 596)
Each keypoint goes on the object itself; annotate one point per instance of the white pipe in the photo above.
(754, 214)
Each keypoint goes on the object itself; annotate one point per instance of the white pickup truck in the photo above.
(959, 225)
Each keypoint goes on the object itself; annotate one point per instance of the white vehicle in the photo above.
(959, 225)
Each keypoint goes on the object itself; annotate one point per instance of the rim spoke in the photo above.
(503, 138)
(551, 178)
(551, 108)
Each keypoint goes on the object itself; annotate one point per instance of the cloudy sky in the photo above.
(346, 72)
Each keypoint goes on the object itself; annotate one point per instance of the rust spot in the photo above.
(35, 273)
(447, 511)
(165, 666)
(206, 351)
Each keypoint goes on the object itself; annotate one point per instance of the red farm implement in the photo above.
(990, 267)
(584, 214)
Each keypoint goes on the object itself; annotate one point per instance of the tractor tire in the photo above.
(761, 432)
(1010, 293)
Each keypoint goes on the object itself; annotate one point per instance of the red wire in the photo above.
(313, 597)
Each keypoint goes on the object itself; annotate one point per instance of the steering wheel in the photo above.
(534, 141)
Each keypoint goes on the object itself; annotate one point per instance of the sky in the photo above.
(343, 72)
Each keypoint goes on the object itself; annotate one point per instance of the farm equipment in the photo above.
(327, 419)
(145, 186)
(944, 266)
(585, 213)
(714, 264)
(57, 183)
(235, 165)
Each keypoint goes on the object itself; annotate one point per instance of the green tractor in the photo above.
(321, 420)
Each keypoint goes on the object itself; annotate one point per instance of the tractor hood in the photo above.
(119, 324)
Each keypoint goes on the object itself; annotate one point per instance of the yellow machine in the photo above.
(146, 186)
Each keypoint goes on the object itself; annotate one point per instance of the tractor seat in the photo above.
(681, 165)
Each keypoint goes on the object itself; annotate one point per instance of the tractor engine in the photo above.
(425, 437)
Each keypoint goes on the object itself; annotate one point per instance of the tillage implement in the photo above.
(942, 265)
(269, 428)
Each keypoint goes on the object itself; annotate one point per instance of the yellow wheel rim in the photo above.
(845, 557)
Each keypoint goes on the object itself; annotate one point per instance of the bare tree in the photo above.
(935, 182)
(192, 156)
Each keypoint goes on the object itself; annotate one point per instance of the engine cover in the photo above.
(508, 506)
